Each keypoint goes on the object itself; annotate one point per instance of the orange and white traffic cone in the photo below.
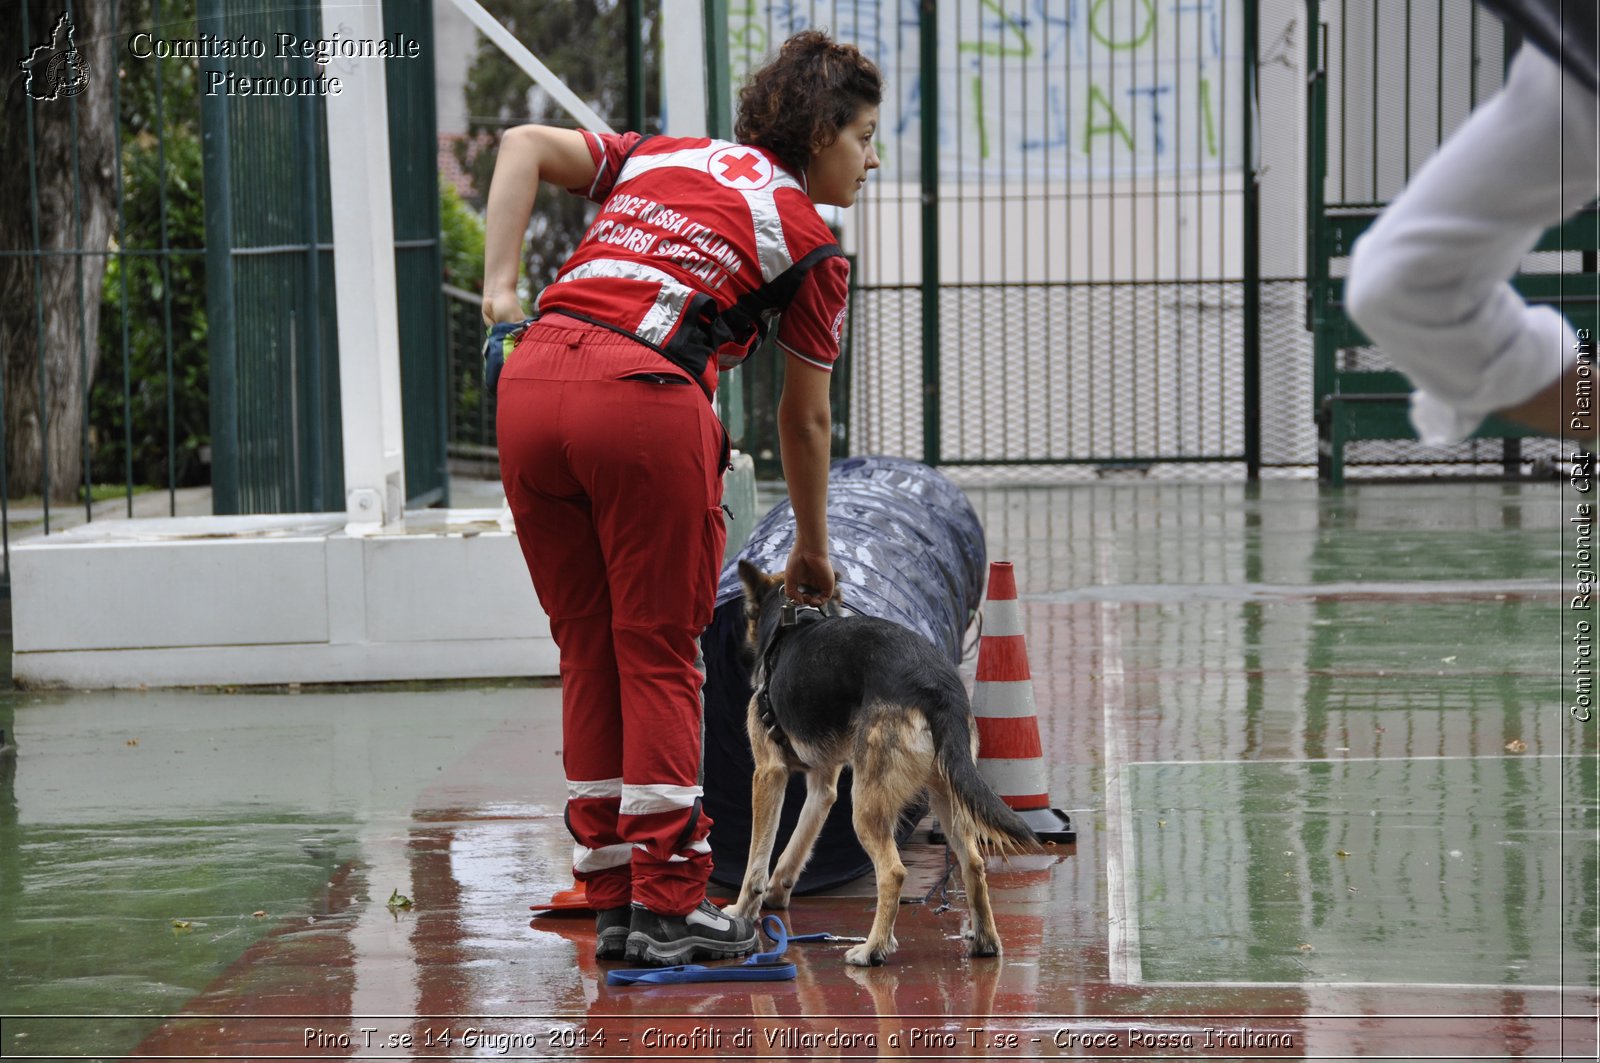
(1010, 756)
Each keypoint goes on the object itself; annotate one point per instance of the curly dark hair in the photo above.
(805, 96)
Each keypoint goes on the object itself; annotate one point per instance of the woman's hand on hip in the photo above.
(501, 307)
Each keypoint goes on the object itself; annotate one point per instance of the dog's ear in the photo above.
(834, 606)
(754, 580)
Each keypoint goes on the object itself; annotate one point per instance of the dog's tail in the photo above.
(979, 812)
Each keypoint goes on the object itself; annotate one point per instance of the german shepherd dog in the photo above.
(868, 693)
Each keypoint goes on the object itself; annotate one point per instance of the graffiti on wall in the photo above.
(1038, 89)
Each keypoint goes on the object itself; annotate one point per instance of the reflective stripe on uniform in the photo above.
(701, 847)
(647, 800)
(664, 312)
(593, 788)
(698, 159)
(600, 859)
(771, 247)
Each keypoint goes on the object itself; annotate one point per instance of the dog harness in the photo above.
(793, 616)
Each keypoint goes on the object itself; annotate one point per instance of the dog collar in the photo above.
(793, 615)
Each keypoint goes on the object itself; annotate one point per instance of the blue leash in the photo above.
(762, 967)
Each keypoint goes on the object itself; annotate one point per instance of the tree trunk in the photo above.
(49, 345)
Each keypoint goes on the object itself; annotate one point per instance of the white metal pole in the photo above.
(683, 73)
(518, 53)
(364, 279)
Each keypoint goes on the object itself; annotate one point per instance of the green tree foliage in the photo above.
(584, 42)
(461, 235)
(144, 291)
(129, 399)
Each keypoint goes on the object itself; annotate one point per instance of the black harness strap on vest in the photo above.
(751, 312)
(705, 328)
(686, 366)
(792, 617)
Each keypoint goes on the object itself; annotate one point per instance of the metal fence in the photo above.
(169, 334)
(1056, 262)
(273, 326)
(272, 331)
(472, 447)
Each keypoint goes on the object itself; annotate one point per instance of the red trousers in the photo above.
(616, 485)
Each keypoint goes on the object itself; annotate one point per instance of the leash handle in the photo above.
(773, 927)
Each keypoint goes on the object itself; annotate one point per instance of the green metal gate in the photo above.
(1389, 82)
(418, 257)
(273, 336)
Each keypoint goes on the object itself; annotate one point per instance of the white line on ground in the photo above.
(1123, 929)
(1349, 760)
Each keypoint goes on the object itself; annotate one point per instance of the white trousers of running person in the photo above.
(1429, 282)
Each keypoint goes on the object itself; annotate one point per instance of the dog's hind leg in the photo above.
(822, 789)
(892, 764)
(875, 831)
(959, 829)
(939, 805)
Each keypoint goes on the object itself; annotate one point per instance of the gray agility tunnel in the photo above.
(908, 548)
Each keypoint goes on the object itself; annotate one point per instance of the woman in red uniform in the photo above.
(612, 455)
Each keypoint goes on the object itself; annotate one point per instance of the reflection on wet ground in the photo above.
(1329, 797)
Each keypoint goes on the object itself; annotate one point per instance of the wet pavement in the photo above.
(1330, 799)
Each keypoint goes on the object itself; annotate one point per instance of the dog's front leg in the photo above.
(766, 801)
(822, 789)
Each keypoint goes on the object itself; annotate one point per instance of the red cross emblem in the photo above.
(741, 168)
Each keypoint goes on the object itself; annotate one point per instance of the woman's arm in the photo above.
(805, 427)
(528, 154)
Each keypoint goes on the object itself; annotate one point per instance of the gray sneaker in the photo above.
(704, 934)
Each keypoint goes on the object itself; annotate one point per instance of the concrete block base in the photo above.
(278, 599)
(202, 601)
